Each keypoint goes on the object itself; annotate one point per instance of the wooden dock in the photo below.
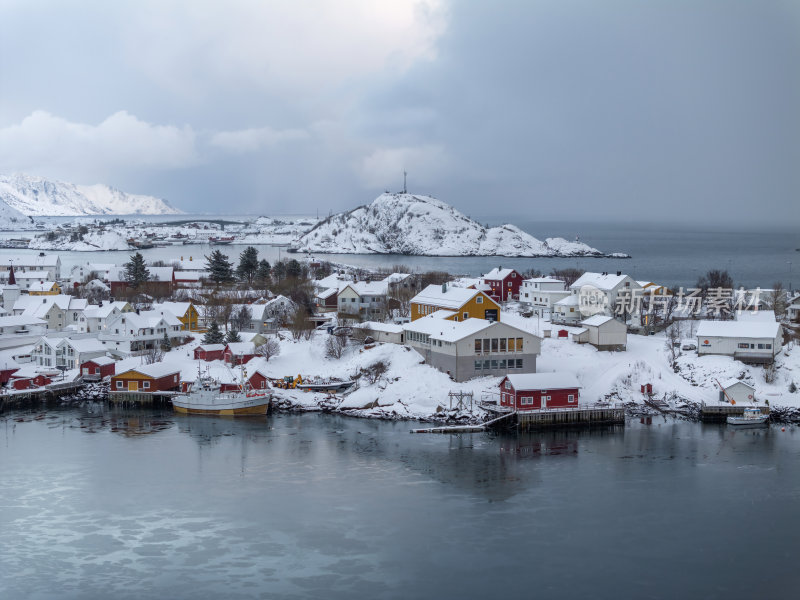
(138, 398)
(718, 413)
(565, 417)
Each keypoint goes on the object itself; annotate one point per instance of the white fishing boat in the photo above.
(207, 398)
(751, 416)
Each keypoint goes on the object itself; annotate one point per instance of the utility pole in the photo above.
(405, 190)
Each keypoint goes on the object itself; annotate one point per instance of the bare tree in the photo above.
(269, 349)
(335, 345)
(299, 325)
(153, 355)
(375, 371)
(673, 344)
(777, 299)
(242, 317)
(568, 275)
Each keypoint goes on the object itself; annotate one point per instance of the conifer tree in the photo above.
(220, 269)
(213, 335)
(136, 272)
(248, 264)
(233, 336)
(263, 272)
(166, 343)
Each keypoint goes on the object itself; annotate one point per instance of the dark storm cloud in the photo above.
(562, 110)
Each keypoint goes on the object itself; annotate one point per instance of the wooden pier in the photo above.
(565, 417)
(718, 413)
(138, 398)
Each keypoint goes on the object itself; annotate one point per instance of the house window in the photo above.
(119, 385)
(526, 400)
(761, 346)
(478, 365)
(743, 346)
(503, 364)
(494, 364)
(479, 300)
(571, 398)
(477, 346)
(769, 346)
(466, 316)
(519, 344)
(519, 363)
(146, 385)
(494, 344)
(508, 385)
(175, 379)
(502, 344)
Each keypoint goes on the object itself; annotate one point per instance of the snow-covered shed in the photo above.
(748, 341)
(738, 391)
(602, 332)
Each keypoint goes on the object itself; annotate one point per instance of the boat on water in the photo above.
(221, 241)
(751, 416)
(333, 386)
(207, 398)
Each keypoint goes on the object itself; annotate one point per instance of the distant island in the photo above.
(29, 195)
(410, 224)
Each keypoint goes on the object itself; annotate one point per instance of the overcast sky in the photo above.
(634, 110)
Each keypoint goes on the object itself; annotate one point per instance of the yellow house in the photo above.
(185, 311)
(463, 303)
(44, 288)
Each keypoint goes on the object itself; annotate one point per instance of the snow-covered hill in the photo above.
(37, 196)
(12, 220)
(420, 225)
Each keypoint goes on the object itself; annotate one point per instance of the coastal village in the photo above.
(557, 348)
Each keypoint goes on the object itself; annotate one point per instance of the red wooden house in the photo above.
(156, 377)
(209, 352)
(534, 391)
(239, 353)
(27, 378)
(99, 366)
(258, 380)
(503, 284)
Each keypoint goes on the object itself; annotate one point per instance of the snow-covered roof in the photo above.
(450, 297)
(117, 274)
(444, 330)
(384, 327)
(101, 361)
(85, 344)
(19, 320)
(757, 315)
(602, 282)
(596, 320)
(156, 369)
(96, 311)
(543, 381)
(41, 286)
(189, 275)
(176, 308)
(731, 382)
(498, 273)
(544, 280)
(149, 318)
(212, 347)
(31, 260)
(373, 288)
(325, 294)
(241, 348)
(571, 300)
(396, 277)
(738, 329)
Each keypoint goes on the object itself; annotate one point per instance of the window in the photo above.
(571, 398)
(478, 346)
(486, 346)
(502, 345)
(511, 344)
(487, 365)
(761, 346)
(508, 384)
(769, 346)
(494, 344)
(119, 385)
(526, 400)
(743, 346)
(494, 364)
(146, 385)
(503, 364)
(175, 379)
(519, 363)
(479, 300)
(519, 344)
(466, 316)
(478, 365)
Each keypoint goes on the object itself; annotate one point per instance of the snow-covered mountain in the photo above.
(421, 225)
(40, 197)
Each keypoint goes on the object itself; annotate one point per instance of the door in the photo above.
(133, 386)
(85, 370)
(544, 401)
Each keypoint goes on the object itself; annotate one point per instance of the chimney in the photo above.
(619, 273)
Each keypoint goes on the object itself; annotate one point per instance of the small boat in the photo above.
(333, 386)
(751, 416)
(221, 241)
(206, 398)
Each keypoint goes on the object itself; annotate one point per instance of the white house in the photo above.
(747, 341)
(383, 332)
(59, 312)
(567, 310)
(98, 315)
(131, 332)
(541, 293)
(793, 310)
(65, 352)
(367, 299)
(47, 266)
(597, 293)
(19, 330)
(472, 347)
(603, 332)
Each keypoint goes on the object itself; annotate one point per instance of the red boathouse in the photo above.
(534, 391)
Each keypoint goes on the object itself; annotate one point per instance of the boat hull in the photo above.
(233, 412)
(748, 421)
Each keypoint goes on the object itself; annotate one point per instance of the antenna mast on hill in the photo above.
(405, 190)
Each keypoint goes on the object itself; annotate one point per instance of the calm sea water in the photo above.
(134, 504)
(665, 253)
